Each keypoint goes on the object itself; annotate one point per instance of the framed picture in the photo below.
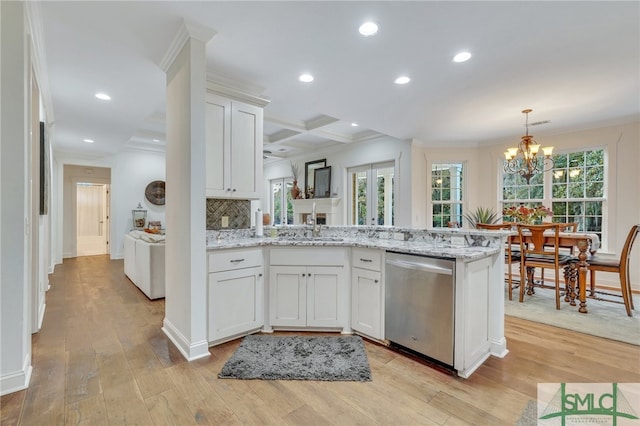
(44, 171)
(309, 176)
(322, 179)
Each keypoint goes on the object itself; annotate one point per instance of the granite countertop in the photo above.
(411, 247)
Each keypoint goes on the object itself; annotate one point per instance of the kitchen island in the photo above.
(336, 282)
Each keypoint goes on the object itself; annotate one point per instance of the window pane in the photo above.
(276, 202)
(577, 184)
(385, 196)
(446, 193)
(361, 198)
(288, 188)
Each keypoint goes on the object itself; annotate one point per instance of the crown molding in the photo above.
(240, 86)
(236, 93)
(186, 31)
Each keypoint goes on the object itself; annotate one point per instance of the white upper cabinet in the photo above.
(234, 148)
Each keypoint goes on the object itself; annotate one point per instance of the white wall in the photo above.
(350, 155)
(129, 173)
(15, 201)
(622, 143)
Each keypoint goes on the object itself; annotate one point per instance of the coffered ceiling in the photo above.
(576, 64)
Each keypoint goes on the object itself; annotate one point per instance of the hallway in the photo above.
(101, 359)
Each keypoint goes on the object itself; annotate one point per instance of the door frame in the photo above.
(372, 199)
(74, 209)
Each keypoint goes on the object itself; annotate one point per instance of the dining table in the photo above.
(587, 244)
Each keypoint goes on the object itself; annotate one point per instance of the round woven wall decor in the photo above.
(154, 192)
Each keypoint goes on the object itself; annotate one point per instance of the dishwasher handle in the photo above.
(420, 266)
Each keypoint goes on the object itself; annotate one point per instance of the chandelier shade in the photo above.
(525, 160)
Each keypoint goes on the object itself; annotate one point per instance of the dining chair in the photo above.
(565, 227)
(607, 263)
(539, 247)
(511, 254)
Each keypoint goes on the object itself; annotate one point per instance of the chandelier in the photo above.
(525, 159)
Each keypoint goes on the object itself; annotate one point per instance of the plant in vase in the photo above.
(527, 215)
(296, 193)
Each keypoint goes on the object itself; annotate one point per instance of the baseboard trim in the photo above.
(499, 347)
(18, 380)
(43, 308)
(191, 351)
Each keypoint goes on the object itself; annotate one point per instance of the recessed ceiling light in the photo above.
(156, 140)
(103, 96)
(368, 29)
(88, 140)
(306, 78)
(462, 57)
(402, 80)
(354, 124)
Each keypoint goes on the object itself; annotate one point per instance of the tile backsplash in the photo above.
(238, 213)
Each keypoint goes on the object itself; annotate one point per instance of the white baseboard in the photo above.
(43, 308)
(499, 347)
(18, 380)
(191, 351)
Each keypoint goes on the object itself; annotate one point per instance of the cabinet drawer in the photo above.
(308, 256)
(366, 259)
(229, 260)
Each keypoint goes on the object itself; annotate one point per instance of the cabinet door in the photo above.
(218, 138)
(246, 150)
(288, 296)
(366, 299)
(325, 285)
(235, 302)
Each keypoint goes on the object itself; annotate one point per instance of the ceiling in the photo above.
(576, 64)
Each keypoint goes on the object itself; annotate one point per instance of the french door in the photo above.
(281, 206)
(371, 194)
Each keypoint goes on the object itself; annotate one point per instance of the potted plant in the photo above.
(481, 215)
(295, 191)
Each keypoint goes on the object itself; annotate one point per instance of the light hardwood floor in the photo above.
(101, 359)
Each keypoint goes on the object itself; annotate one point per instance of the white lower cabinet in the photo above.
(366, 302)
(308, 287)
(236, 294)
(306, 296)
(367, 292)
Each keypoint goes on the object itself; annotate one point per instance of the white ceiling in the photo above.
(574, 63)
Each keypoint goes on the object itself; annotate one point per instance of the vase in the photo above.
(295, 191)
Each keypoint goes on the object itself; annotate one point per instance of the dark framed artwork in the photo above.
(309, 176)
(322, 180)
(44, 171)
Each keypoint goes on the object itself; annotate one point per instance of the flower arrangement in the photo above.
(528, 215)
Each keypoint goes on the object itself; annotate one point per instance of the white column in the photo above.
(185, 321)
(15, 218)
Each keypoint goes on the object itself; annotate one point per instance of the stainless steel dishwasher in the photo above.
(419, 304)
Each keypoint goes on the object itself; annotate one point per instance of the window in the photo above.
(446, 194)
(578, 188)
(371, 193)
(281, 201)
(575, 189)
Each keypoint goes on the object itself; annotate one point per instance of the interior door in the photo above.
(371, 191)
(91, 218)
